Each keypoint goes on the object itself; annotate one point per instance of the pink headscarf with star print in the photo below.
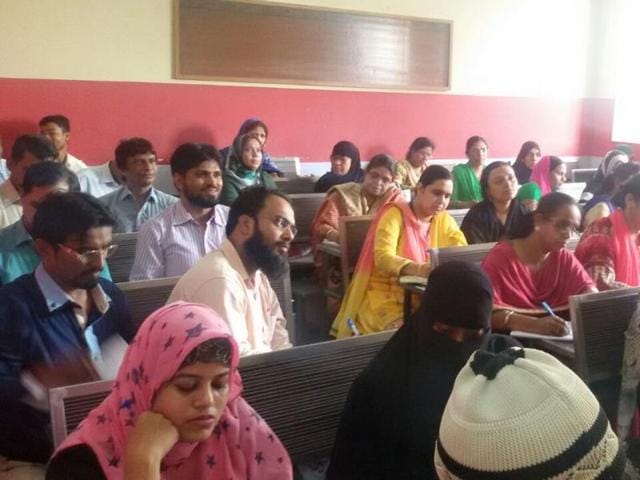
(242, 445)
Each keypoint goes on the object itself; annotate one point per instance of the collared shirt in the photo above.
(74, 164)
(18, 254)
(97, 181)
(129, 214)
(4, 170)
(10, 208)
(47, 334)
(172, 242)
(246, 302)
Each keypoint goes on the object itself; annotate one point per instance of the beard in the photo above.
(201, 200)
(266, 259)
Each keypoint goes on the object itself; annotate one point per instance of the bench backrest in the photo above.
(122, 260)
(472, 253)
(353, 232)
(296, 185)
(458, 214)
(599, 321)
(164, 180)
(300, 392)
(146, 296)
(282, 287)
(467, 253)
(305, 207)
(289, 166)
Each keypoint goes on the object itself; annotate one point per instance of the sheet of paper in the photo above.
(566, 338)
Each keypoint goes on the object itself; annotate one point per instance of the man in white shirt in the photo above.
(233, 280)
(58, 129)
(100, 180)
(26, 150)
(172, 242)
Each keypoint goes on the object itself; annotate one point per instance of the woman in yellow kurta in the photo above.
(397, 245)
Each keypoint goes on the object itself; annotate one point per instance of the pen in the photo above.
(352, 327)
(547, 308)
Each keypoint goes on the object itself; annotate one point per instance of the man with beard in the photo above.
(54, 322)
(233, 280)
(173, 241)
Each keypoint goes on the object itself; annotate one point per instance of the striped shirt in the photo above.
(171, 243)
(129, 215)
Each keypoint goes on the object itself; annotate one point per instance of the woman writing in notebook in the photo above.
(535, 267)
(397, 245)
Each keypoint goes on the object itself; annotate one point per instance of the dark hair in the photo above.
(630, 187)
(620, 174)
(60, 120)
(547, 206)
(484, 176)
(433, 173)
(554, 162)
(64, 214)
(250, 201)
(130, 148)
(525, 149)
(251, 123)
(49, 174)
(418, 144)
(381, 160)
(215, 350)
(190, 155)
(471, 141)
(37, 145)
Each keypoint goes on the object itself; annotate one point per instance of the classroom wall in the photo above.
(532, 69)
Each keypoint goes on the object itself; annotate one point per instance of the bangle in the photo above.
(505, 322)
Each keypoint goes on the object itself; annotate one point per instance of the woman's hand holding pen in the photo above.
(550, 325)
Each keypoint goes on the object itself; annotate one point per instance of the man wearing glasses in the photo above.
(233, 280)
(17, 248)
(55, 322)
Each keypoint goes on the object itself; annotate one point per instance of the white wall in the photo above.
(539, 48)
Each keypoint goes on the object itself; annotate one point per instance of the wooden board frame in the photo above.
(311, 48)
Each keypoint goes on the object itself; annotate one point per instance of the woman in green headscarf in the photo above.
(243, 168)
(529, 194)
(466, 177)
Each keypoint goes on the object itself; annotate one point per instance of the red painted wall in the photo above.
(305, 123)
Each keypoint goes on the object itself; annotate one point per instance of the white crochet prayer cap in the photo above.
(521, 414)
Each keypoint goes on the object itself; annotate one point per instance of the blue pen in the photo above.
(547, 308)
(352, 327)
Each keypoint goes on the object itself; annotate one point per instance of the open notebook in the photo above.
(566, 338)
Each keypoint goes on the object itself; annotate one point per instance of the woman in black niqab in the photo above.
(390, 421)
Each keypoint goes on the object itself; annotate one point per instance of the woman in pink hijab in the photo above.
(549, 173)
(175, 411)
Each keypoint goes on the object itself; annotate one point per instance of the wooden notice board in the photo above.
(270, 43)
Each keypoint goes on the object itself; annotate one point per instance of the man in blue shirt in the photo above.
(54, 321)
(136, 201)
(17, 250)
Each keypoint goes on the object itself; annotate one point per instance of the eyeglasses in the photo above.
(86, 255)
(283, 224)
